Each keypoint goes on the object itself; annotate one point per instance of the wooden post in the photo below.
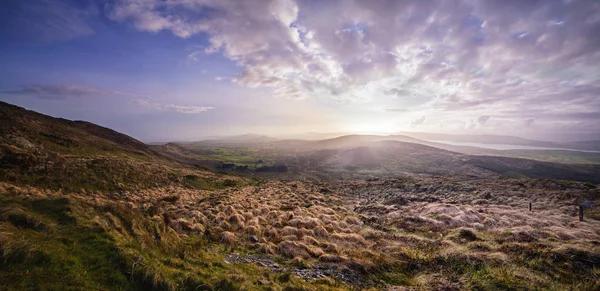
(580, 213)
(529, 206)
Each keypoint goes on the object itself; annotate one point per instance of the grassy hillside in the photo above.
(55, 153)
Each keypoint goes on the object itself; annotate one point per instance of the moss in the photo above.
(196, 182)
(396, 278)
(58, 209)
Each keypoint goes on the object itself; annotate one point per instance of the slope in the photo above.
(55, 153)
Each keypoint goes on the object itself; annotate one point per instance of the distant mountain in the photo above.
(590, 145)
(368, 156)
(358, 140)
(392, 158)
(483, 138)
(312, 135)
(501, 139)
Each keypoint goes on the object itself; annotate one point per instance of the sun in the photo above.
(374, 127)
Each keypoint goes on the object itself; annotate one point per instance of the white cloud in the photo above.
(187, 109)
(418, 121)
(483, 119)
(465, 59)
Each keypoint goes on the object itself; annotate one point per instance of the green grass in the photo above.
(109, 247)
(236, 155)
(62, 256)
(195, 182)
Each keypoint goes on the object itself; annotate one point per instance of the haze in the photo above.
(189, 69)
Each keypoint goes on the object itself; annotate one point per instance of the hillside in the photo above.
(31, 130)
(59, 153)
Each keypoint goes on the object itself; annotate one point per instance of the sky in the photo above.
(181, 70)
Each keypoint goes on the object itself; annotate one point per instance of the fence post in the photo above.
(580, 213)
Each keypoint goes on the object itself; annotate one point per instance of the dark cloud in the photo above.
(64, 92)
(60, 92)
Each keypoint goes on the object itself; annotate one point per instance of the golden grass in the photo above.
(398, 244)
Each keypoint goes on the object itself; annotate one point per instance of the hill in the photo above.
(71, 155)
(504, 140)
(370, 156)
(28, 130)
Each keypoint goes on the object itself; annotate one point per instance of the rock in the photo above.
(254, 239)
(263, 282)
(22, 142)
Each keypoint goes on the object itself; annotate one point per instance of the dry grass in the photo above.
(464, 235)
(229, 238)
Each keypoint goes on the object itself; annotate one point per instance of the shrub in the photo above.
(288, 230)
(229, 238)
(252, 230)
(292, 249)
(467, 234)
(320, 231)
(350, 237)
(327, 258)
(236, 221)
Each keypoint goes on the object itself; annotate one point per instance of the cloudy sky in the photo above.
(185, 69)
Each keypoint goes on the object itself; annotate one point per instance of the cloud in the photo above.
(528, 122)
(483, 119)
(397, 110)
(193, 56)
(65, 92)
(418, 121)
(396, 92)
(187, 109)
(49, 20)
(464, 59)
(61, 92)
